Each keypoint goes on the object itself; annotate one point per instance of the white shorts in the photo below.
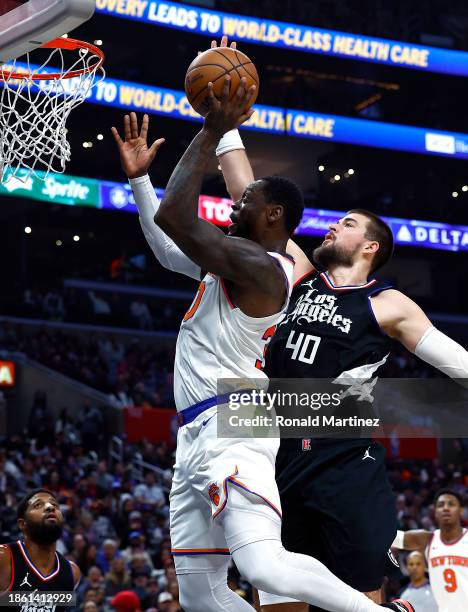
(207, 469)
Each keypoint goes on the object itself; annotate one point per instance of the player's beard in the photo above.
(43, 533)
(333, 255)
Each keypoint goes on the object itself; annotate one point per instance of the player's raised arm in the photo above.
(136, 158)
(404, 320)
(240, 260)
(414, 539)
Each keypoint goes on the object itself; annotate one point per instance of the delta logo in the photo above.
(7, 374)
(213, 492)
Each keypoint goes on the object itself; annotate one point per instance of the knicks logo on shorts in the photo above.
(213, 492)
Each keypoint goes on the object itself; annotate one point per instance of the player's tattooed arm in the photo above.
(242, 261)
(5, 568)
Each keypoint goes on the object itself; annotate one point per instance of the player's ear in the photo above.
(275, 212)
(371, 247)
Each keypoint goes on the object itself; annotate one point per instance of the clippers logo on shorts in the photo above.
(392, 558)
(213, 492)
(313, 306)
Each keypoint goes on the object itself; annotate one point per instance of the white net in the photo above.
(34, 109)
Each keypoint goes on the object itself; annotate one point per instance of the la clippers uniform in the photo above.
(217, 341)
(448, 572)
(26, 578)
(337, 502)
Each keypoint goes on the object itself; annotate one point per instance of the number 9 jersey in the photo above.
(328, 331)
(448, 572)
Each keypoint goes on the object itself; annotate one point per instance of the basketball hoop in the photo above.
(35, 104)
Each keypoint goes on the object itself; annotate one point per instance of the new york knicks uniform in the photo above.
(217, 341)
(448, 572)
(26, 578)
(337, 502)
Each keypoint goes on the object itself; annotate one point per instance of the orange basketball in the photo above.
(213, 65)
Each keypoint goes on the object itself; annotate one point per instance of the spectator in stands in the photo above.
(41, 422)
(53, 306)
(139, 311)
(121, 398)
(136, 555)
(91, 426)
(90, 606)
(117, 579)
(419, 591)
(140, 585)
(149, 493)
(101, 308)
(93, 580)
(126, 601)
(108, 552)
(165, 600)
(104, 478)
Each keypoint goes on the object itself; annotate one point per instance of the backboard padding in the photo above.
(35, 22)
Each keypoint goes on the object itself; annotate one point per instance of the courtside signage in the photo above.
(274, 120)
(58, 188)
(288, 35)
(406, 232)
(7, 374)
(107, 195)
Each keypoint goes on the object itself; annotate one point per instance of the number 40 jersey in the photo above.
(328, 331)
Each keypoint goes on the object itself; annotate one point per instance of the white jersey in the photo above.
(217, 340)
(448, 572)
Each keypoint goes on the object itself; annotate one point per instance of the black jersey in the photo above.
(25, 577)
(328, 331)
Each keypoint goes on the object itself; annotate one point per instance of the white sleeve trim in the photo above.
(167, 252)
(443, 353)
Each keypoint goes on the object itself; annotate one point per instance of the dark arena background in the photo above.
(89, 319)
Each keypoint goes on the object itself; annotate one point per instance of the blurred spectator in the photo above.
(149, 493)
(101, 308)
(53, 306)
(41, 423)
(117, 579)
(419, 591)
(91, 426)
(126, 601)
(140, 312)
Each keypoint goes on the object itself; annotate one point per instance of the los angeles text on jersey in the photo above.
(313, 306)
(308, 421)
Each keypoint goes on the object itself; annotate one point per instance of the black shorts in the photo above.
(338, 507)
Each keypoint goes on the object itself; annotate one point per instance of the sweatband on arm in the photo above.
(399, 541)
(443, 353)
(231, 141)
(167, 252)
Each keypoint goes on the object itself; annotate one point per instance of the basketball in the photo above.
(213, 65)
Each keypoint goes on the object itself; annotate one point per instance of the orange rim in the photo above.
(69, 44)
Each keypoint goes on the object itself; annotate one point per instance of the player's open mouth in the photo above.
(328, 238)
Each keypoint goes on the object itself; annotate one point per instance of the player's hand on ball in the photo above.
(135, 155)
(224, 43)
(227, 114)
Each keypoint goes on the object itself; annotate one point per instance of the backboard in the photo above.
(27, 24)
